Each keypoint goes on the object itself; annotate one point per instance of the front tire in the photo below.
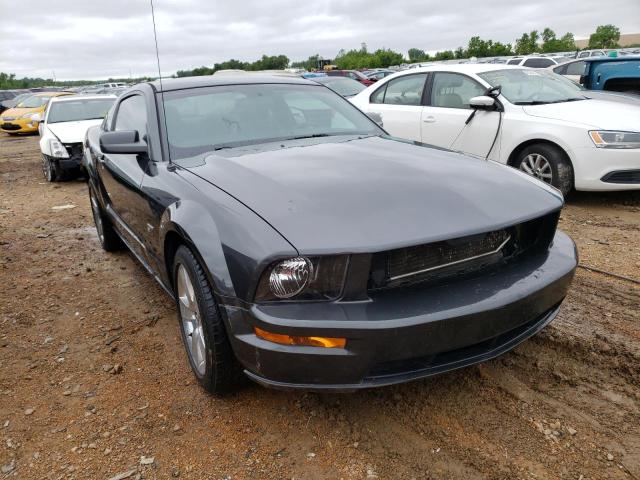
(49, 169)
(109, 239)
(548, 164)
(203, 332)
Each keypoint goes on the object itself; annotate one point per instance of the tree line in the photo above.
(605, 36)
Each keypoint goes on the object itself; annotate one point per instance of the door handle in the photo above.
(429, 119)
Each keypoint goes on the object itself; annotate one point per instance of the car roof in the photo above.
(606, 58)
(463, 68)
(68, 98)
(182, 83)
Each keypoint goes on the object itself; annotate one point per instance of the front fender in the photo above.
(232, 243)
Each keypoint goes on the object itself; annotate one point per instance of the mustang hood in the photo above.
(72, 132)
(596, 113)
(373, 194)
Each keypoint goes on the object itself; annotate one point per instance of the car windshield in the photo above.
(533, 87)
(80, 109)
(201, 120)
(343, 86)
(34, 101)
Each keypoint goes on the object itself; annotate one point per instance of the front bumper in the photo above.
(405, 334)
(18, 125)
(602, 169)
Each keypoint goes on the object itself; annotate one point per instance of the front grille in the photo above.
(622, 176)
(10, 126)
(460, 256)
(8, 119)
(74, 149)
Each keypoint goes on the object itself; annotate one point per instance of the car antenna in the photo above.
(155, 37)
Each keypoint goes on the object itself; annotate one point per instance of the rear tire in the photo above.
(548, 164)
(202, 328)
(109, 239)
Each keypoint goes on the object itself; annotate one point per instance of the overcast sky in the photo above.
(96, 40)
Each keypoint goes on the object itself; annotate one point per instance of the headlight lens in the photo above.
(302, 278)
(57, 149)
(29, 115)
(614, 139)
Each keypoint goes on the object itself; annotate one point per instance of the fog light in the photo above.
(326, 342)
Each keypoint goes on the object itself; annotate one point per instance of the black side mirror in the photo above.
(494, 92)
(122, 142)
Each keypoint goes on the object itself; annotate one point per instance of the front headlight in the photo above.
(57, 149)
(302, 278)
(613, 139)
(28, 116)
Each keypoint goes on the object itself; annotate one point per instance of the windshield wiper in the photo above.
(546, 102)
(313, 135)
(532, 102)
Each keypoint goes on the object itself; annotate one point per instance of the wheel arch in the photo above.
(513, 156)
(176, 236)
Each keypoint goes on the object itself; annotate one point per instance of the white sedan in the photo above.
(63, 128)
(533, 120)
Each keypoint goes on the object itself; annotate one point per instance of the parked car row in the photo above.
(310, 244)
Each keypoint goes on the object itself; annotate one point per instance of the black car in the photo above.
(307, 248)
(5, 98)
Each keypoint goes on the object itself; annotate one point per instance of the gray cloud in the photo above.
(110, 39)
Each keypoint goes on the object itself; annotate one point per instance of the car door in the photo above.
(399, 104)
(122, 174)
(445, 115)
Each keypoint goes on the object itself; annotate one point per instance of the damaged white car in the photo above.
(63, 129)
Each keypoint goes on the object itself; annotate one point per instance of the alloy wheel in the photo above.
(537, 166)
(191, 320)
(47, 169)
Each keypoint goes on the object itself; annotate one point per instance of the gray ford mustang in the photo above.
(307, 249)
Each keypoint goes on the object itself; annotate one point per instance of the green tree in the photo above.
(460, 53)
(605, 36)
(552, 44)
(528, 43)
(310, 63)
(445, 55)
(417, 55)
(362, 58)
(478, 47)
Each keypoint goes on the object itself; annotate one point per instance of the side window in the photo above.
(561, 70)
(538, 62)
(132, 115)
(515, 61)
(378, 95)
(575, 68)
(583, 54)
(405, 90)
(453, 90)
(108, 119)
(597, 54)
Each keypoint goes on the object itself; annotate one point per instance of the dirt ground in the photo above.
(95, 384)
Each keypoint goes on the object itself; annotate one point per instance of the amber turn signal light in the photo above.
(326, 342)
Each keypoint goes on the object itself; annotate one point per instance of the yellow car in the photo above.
(20, 119)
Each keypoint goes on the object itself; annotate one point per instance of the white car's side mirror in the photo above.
(482, 101)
